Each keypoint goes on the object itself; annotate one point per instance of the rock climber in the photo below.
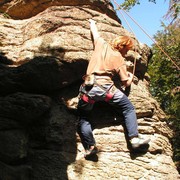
(107, 60)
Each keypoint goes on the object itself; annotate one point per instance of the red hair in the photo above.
(122, 42)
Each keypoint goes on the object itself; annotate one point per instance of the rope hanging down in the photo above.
(134, 35)
(119, 8)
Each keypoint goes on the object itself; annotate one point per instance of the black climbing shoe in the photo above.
(91, 151)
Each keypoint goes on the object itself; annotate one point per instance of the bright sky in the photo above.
(148, 15)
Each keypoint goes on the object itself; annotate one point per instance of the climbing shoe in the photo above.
(139, 141)
(91, 151)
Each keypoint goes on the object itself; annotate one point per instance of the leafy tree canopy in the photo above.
(128, 4)
(165, 78)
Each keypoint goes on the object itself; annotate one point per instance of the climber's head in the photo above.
(123, 44)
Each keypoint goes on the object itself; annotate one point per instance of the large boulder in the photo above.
(45, 47)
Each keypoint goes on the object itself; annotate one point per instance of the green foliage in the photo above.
(128, 4)
(165, 77)
(174, 10)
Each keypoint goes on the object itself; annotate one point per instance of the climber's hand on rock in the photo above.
(92, 21)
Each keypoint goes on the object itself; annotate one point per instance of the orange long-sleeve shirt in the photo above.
(107, 61)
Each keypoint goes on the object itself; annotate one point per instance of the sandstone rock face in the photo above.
(45, 47)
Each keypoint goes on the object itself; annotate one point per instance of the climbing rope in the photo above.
(134, 67)
(119, 8)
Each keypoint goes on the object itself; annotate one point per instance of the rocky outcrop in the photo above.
(44, 51)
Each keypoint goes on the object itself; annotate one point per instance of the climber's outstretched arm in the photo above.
(94, 30)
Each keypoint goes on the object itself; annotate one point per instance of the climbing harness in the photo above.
(119, 8)
(87, 99)
(108, 93)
